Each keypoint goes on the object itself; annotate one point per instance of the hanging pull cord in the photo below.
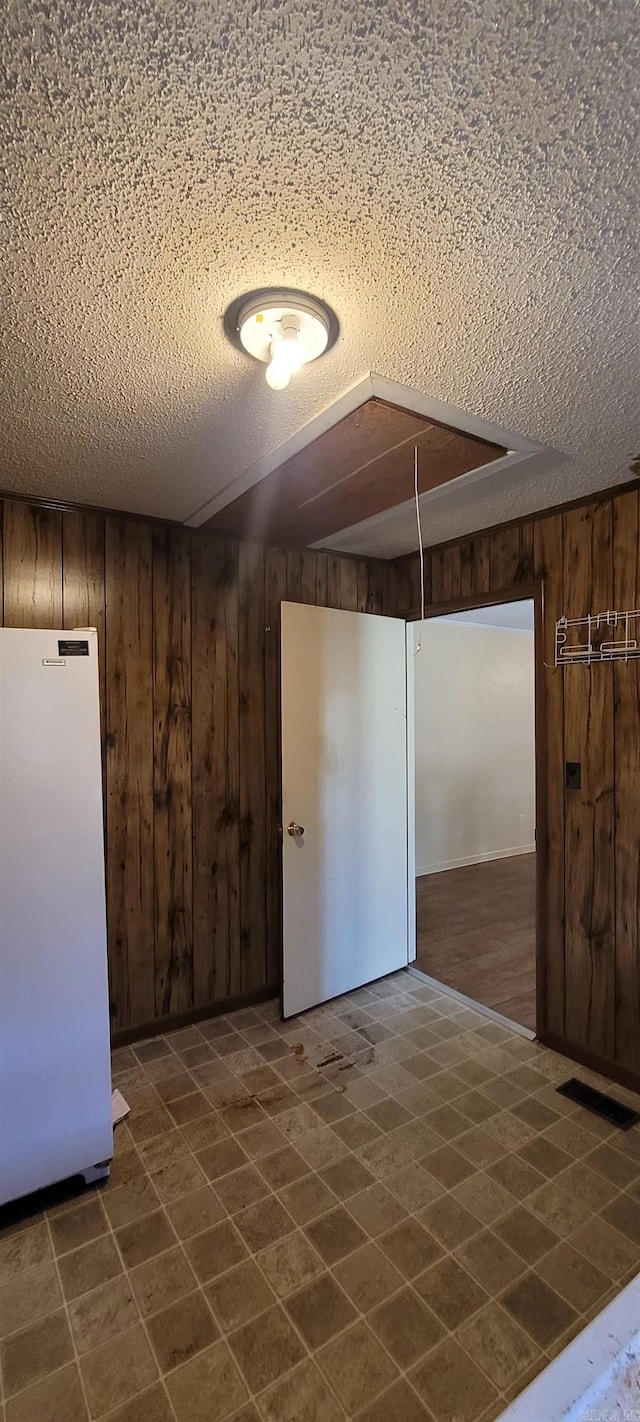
(419, 523)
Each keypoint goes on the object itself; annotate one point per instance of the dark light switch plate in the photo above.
(572, 778)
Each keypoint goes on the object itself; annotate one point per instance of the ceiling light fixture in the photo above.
(286, 330)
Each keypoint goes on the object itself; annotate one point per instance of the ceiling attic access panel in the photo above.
(362, 466)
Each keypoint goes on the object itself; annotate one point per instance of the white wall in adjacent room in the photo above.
(475, 738)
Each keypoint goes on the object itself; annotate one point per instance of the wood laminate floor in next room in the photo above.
(476, 933)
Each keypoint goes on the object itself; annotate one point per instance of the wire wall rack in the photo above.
(601, 637)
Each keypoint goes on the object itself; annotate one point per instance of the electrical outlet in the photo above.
(522, 819)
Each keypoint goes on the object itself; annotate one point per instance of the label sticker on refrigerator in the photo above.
(73, 649)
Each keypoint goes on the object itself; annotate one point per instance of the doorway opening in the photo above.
(475, 805)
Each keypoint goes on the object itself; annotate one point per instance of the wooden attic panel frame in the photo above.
(359, 468)
(360, 437)
(443, 456)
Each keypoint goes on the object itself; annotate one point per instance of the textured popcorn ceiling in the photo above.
(458, 181)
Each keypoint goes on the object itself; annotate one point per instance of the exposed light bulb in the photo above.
(277, 374)
(287, 355)
(291, 349)
(286, 330)
(285, 359)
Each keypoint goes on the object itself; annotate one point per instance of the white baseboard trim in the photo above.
(471, 1002)
(475, 859)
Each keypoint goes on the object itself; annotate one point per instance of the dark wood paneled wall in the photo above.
(587, 560)
(188, 627)
(188, 636)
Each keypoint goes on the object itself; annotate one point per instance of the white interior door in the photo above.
(344, 784)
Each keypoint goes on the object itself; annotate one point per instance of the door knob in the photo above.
(295, 830)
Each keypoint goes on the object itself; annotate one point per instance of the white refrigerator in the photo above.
(55, 1080)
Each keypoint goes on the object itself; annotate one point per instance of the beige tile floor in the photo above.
(381, 1211)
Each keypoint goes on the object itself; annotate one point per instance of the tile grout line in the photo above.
(142, 1320)
(390, 1091)
(334, 1337)
(251, 1255)
(66, 1306)
(67, 1316)
(301, 1229)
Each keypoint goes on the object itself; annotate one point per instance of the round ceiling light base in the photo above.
(279, 324)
